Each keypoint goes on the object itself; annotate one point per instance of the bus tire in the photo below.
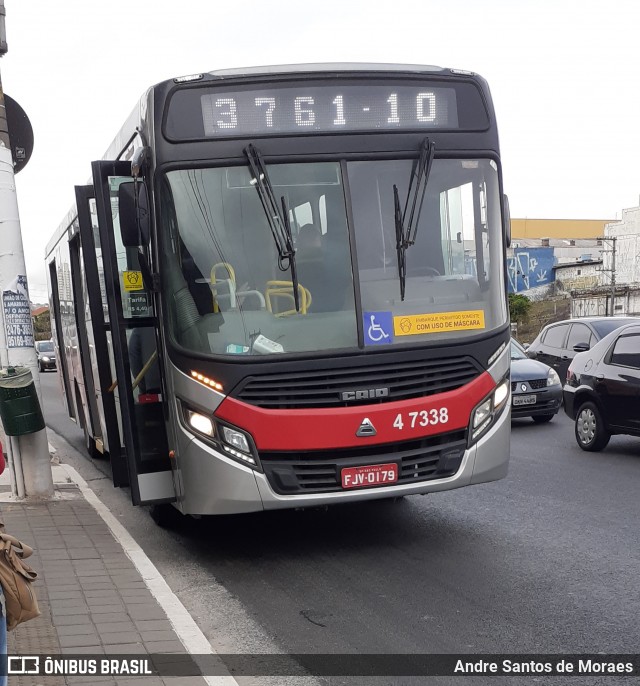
(163, 514)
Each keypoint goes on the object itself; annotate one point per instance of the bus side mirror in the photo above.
(134, 217)
(507, 220)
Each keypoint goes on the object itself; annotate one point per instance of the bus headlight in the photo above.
(482, 413)
(231, 441)
(200, 423)
(235, 439)
(485, 414)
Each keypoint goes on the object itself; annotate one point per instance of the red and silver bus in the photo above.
(285, 287)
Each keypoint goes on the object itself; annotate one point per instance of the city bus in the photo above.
(284, 287)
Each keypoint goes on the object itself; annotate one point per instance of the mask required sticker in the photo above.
(416, 324)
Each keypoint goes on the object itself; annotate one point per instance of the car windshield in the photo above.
(517, 353)
(45, 347)
(606, 326)
(227, 291)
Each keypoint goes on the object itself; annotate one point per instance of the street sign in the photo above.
(20, 133)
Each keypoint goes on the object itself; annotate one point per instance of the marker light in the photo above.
(211, 383)
(237, 454)
(200, 423)
(496, 354)
(186, 79)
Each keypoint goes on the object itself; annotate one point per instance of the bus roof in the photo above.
(325, 67)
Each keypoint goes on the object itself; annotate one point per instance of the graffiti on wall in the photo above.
(530, 267)
(596, 306)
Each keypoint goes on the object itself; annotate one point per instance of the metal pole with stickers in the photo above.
(22, 421)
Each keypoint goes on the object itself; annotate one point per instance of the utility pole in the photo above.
(613, 274)
(612, 241)
(29, 459)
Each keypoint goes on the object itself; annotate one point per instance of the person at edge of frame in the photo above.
(3, 618)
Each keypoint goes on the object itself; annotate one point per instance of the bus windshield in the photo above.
(228, 294)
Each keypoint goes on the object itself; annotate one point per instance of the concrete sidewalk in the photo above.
(98, 592)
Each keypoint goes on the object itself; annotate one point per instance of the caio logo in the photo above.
(364, 394)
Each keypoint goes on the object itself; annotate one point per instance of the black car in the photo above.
(557, 344)
(46, 355)
(602, 393)
(536, 390)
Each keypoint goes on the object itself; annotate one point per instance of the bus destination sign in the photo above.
(311, 107)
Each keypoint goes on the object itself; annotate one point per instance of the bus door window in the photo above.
(137, 305)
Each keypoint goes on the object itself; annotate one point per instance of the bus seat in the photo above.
(193, 276)
(182, 304)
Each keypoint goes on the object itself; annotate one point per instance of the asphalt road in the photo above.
(545, 561)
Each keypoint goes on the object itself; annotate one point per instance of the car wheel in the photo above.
(40, 366)
(542, 418)
(591, 432)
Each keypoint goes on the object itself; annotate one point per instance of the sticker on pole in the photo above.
(378, 328)
(17, 314)
(417, 324)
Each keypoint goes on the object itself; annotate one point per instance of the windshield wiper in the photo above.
(407, 226)
(277, 217)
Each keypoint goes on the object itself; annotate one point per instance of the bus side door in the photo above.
(100, 366)
(139, 381)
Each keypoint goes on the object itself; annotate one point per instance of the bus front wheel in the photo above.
(163, 514)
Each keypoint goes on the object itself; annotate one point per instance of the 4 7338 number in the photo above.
(421, 418)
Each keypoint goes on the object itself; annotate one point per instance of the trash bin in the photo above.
(19, 405)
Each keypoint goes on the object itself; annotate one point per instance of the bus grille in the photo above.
(319, 471)
(324, 387)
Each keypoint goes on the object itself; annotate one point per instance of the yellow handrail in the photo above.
(214, 291)
(284, 289)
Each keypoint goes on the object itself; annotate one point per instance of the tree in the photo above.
(519, 307)
(42, 326)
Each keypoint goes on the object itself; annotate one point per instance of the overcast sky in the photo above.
(564, 74)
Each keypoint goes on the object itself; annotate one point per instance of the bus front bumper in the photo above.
(214, 484)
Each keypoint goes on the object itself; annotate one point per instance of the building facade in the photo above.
(558, 228)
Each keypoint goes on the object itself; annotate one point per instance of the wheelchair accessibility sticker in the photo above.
(378, 328)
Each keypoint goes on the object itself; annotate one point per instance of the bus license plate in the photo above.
(371, 475)
(524, 400)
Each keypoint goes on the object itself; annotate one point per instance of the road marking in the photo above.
(189, 633)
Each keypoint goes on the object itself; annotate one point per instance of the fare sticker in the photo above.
(416, 324)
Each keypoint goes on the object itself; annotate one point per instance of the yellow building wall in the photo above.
(558, 228)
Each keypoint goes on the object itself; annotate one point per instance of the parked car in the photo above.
(46, 355)
(602, 393)
(557, 344)
(536, 390)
